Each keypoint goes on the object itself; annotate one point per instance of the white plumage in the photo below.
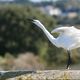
(69, 37)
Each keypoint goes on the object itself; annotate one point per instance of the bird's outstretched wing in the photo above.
(59, 29)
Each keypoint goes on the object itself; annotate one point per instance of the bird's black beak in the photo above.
(30, 19)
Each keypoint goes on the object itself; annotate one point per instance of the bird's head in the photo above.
(36, 21)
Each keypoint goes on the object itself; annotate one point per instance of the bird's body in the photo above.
(69, 37)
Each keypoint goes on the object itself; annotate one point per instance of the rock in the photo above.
(52, 74)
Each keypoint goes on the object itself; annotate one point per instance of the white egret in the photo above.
(69, 38)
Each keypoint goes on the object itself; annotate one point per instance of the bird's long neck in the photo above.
(50, 37)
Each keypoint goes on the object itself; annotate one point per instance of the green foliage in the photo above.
(17, 34)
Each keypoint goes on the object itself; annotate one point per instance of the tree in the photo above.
(17, 34)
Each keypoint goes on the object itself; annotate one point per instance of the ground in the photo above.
(51, 75)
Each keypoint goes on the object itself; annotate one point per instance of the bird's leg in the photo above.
(69, 60)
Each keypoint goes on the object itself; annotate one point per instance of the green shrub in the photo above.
(17, 33)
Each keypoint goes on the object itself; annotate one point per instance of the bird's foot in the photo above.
(68, 68)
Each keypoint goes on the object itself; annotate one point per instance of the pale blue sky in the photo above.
(42, 0)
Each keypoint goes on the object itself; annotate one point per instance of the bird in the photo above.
(68, 38)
